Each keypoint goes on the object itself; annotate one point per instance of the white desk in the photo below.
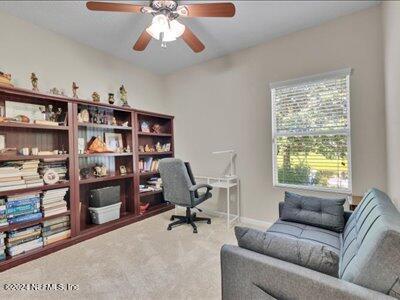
(225, 183)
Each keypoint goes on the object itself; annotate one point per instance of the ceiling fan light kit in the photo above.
(165, 27)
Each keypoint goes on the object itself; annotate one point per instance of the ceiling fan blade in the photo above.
(108, 6)
(142, 41)
(193, 42)
(226, 10)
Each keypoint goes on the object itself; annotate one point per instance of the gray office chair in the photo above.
(181, 189)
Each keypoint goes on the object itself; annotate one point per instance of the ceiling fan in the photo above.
(165, 27)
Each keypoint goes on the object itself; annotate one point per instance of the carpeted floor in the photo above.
(139, 261)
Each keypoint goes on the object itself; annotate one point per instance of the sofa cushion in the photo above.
(324, 213)
(370, 254)
(303, 252)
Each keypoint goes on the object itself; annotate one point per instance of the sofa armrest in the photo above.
(250, 275)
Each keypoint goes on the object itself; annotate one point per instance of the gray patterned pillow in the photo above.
(319, 212)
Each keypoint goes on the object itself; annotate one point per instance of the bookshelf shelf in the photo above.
(106, 178)
(155, 134)
(45, 137)
(5, 157)
(105, 154)
(34, 189)
(31, 223)
(155, 153)
(90, 125)
(31, 126)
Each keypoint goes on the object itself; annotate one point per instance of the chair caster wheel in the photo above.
(169, 228)
(209, 222)
(172, 218)
(194, 230)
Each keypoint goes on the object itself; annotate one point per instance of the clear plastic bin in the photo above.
(105, 214)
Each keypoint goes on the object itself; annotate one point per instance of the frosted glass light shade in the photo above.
(171, 31)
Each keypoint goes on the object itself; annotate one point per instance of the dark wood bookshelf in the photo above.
(7, 157)
(106, 178)
(32, 223)
(45, 137)
(32, 126)
(35, 189)
(155, 153)
(103, 126)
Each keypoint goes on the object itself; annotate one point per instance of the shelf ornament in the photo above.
(34, 81)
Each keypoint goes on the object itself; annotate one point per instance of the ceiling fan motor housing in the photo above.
(166, 7)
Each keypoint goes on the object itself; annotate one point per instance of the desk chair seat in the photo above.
(180, 188)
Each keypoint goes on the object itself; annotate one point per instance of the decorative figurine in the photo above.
(156, 128)
(85, 173)
(128, 149)
(124, 96)
(114, 121)
(96, 145)
(85, 116)
(34, 81)
(143, 208)
(141, 148)
(55, 91)
(100, 170)
(96, 97)
(144, 127)
(5, 79)
(158, 147)
(111, 99)
(75, 88)
(147, 148)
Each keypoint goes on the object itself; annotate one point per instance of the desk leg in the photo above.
(228, 211)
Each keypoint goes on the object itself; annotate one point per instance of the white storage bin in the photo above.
(105, 214)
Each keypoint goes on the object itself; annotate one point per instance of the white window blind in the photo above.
(311, 132)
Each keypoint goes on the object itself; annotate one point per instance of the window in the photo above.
(311, 132)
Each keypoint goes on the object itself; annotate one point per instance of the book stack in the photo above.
(155, 183)
(29, 172)
(59, 165)
(56, 229)
(148, 165)
(3, 213)
(53, 202)
(11, 178)
(22, 240)
(23, 208)
(2, 246)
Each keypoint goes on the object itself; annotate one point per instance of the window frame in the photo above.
(347, 132)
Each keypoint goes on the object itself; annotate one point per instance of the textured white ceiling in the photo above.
(255, 22)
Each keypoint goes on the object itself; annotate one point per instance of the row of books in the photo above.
(148, 165)
(3, 213)
(53, 202)
(23, 208)
(33, 237)
(153, 184)
(59, 165)
(19, 175)
(2, 246)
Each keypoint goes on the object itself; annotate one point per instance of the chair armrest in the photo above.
(250, 275)
(196, 187)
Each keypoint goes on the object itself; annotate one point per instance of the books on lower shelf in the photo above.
(148, 165)
(22, 240)
(56, 229)
(53, 202)
(2, 246)
(23, 208)
(3, 213)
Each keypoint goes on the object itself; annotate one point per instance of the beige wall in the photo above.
(391, 25)
(58, 61)
(225, 103)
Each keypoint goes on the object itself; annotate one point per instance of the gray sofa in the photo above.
(293, 260)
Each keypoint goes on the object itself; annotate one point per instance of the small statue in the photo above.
(158, 147)
(114, 121)
(34, 81)
(85, 173)
(55, 91)
(147, 148)
(5, 79)
(100, 170)
(111, 99)
(141, 148)
(75, 88)
(96, 97)
(156, 128)
(128, 149)
(124, 96)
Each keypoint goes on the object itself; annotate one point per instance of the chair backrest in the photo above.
(176, 181)
(370, 254)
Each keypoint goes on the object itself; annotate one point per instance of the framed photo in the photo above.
(113, 141)
(122, 170)
(144, 127)
(32, 111)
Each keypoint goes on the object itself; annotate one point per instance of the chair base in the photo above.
(188, 219)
